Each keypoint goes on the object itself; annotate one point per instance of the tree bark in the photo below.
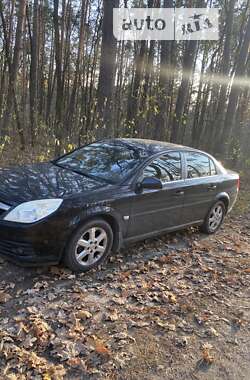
(217, 124)
(72, 102)
(164, 80)
(235, 91)
(33, 71)
(13, 70)
(59, 81)
(107, 70)
(188, 61)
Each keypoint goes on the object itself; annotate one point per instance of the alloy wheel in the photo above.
(215, 217)
(91, 246)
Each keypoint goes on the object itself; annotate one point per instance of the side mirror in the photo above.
(151, 183)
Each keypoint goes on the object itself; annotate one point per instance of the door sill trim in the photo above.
(159, 232)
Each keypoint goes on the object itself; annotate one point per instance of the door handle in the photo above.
(179, 193)
(212, 187)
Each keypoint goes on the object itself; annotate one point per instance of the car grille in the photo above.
(15, 249)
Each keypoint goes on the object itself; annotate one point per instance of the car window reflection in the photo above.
(166, 167)
(111, 162)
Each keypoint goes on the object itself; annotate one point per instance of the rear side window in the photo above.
(166, 167)
(212, 167)
(199, 165)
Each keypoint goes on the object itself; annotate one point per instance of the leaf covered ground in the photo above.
(175, 307)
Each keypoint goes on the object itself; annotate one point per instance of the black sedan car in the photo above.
(105, 195)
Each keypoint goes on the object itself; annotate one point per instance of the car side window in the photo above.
(167, 167)
(199, 165)
(212, 167)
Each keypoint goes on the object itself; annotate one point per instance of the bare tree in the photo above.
(59, 79)
(33, 70)
(235, 89)
(107, 69)
(11, 102)
(188, 62)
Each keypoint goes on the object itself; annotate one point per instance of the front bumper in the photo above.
(41, 243)
(26, 254)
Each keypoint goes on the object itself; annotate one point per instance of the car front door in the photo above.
(155, 210)
(201, 185)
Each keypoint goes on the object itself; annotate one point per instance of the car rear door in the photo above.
(157, 210)
(201, 186)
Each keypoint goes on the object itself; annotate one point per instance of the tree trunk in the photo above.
(133, 99)
(13, 69)
(188, 61)
(33, 71)
(235, 90)
(196, 124)
(72, 102)
(107, 70)
(164, 79)
(225, 70)
(59, 81)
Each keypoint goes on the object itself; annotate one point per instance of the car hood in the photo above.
(40, 181)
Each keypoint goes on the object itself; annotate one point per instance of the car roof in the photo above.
(150, 147)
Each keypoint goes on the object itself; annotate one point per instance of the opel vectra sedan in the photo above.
(104, 195)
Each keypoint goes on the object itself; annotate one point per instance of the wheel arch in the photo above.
(224, 197)
(114, 224)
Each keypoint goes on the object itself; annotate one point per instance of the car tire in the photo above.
(214, 218)
(89, 246)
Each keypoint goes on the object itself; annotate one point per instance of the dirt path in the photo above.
(171, 308)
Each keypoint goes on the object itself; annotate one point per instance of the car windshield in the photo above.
(111, 162)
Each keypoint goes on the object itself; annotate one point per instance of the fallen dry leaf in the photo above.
(83, 314)
(112, 317)
(99, 346)
(4, 297)
(207, 356)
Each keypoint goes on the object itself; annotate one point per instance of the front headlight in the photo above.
(30, 212)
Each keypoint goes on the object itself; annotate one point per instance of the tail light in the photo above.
(238, 184)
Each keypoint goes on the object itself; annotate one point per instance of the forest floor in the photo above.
(176, 307)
